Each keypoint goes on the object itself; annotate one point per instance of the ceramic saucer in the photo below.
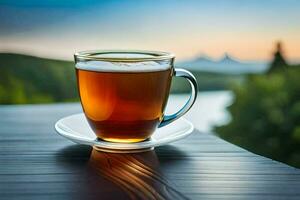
(76, 128)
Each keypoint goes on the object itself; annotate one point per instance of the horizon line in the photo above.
(199, 55)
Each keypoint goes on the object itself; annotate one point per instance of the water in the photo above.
(209, 109)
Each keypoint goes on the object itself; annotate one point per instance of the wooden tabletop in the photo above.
(37, 163)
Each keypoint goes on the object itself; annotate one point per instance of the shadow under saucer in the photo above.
(136, 174)
(118, 176)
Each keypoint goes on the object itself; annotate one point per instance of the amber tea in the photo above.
(124, 106)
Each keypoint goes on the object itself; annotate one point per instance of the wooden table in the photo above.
(36, 163)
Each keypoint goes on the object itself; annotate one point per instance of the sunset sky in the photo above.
(245, 29)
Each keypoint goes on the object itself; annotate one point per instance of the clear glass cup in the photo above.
(124, 93)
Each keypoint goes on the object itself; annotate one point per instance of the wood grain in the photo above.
(36, 163)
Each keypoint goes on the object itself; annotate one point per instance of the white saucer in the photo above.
(76, 128)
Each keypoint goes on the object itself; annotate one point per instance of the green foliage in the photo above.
(266, 116)
(27, 79)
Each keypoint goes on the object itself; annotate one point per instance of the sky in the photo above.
(246, 30)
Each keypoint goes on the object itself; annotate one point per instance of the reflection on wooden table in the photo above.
(137, 174)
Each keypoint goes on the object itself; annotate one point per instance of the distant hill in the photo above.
(29, 79)
(227, 65)
(207, 81)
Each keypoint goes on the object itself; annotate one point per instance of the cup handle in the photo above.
(167, 119)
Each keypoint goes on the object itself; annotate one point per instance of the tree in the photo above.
(266, 113)
(266, 116)
(278, 63)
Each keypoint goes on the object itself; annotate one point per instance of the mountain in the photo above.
(227, 65)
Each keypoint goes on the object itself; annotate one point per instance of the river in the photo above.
(209, 109)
